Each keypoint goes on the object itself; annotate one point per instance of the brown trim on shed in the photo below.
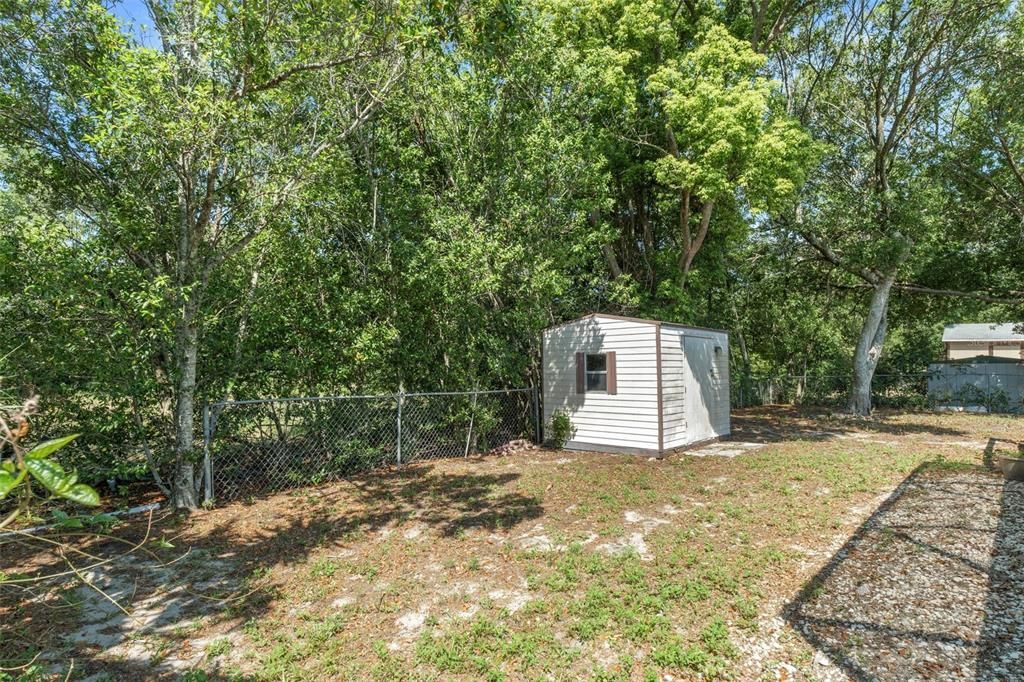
(611, 387)
(581, 368)
(661, 407)
(679, 325)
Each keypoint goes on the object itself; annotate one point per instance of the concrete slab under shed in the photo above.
(724, 449)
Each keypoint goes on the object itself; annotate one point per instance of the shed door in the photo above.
(701, 387)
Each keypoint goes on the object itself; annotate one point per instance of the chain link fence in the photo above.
(945, 387)
(830, 390)
(255, 447)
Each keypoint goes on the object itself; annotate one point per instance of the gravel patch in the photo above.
(930, 587)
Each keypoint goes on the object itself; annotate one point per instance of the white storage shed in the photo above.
(637, 386)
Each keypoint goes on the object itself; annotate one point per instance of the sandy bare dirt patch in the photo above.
(783, 561)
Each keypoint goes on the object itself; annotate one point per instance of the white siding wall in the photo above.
(673, 387)
(628, 419)
(720, 411)
(1008, 350)
(704, 391)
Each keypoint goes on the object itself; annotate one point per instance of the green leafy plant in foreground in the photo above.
(21, 467)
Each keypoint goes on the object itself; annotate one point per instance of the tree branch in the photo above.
(831, 256)
(1009, 298)
(303, 68)
(1004, 298)
(147, 452)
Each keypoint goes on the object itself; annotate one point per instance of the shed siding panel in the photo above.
(697, 407)
(673, 384)
(628, 419)
(721, 417)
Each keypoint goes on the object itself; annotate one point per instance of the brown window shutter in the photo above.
(580, 369)
(612, 374)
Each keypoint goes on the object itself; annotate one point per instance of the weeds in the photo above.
(590, 609)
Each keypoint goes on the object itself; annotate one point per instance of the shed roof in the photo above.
(984, 331)
(638, 320)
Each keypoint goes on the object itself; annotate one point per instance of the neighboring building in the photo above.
(637, 386)
(964, 341)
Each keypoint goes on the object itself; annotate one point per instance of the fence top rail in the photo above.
(487, 392)
(372, 396)
(842, 377)
(947, 371)
(301, 399)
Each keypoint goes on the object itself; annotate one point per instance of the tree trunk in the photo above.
(243, 327)
(187, 342)
(611, 260)
(691, 245)
(869, 347)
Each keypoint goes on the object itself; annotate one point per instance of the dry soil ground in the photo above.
(841, 549)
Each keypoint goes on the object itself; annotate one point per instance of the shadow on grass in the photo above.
(929, 586)
(778, 423)
(221, 578)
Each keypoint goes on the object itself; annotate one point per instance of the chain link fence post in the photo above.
(472, 417)
(207, 463)
(536, 415)
(398, 441)
(989, 398)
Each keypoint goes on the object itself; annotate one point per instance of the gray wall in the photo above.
(983, 386)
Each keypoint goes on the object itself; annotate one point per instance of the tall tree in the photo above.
(726, 142)
(175, 155)
(695, 140)
(876, 82)
(983, 165)
(425, 247)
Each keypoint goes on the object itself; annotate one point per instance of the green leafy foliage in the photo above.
(357, 198)
(49, 473)
(726, 135)
(560, 429)
(9, 481)
(45, 449)
(98, 522)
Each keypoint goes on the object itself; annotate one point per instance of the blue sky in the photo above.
(131, 11)
(135, 19)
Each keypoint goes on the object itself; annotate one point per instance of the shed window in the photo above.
(597, 372)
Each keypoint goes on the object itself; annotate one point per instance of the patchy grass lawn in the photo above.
(540, 565)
